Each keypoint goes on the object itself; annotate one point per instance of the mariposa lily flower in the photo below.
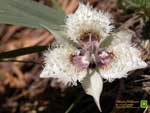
(98, 53)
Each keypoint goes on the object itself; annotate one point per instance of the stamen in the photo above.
(89, 56)
(89, 41)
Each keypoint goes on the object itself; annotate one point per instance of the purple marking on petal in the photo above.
(89, 41)
(105, 61)
(80, 61)
(104, 58)
(89, 50)
(103, 54)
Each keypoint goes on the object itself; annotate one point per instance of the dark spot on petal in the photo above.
(92, 65)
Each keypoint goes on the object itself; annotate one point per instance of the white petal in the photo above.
(122, 37)
(126, 59)
(86, 19)
(93, 85)
(58, 65)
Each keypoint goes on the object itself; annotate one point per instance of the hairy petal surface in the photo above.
(58, 65)
(124, 36)
(86, 19)
(93, 85)
(127, 58)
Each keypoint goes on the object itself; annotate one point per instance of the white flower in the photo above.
(127, 58)
(86, 19)
(58, 65)
(88, 62)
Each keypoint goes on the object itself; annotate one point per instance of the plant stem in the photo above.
(74, 103)
(70, 108)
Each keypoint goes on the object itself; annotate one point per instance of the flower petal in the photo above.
(124, 36)
(126, 59)
(58, 65)
(86, 19)
(93, 85)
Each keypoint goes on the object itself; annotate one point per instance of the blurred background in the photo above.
(22, 91)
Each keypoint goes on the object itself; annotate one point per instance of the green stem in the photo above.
(70, 108)
(74, 103)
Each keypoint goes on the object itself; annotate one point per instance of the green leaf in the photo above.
(132, 3)
(32, 14)
(61, 37)
(106, 42)
(57, 6)
(22, 51)
(29, 13)
(74, 103)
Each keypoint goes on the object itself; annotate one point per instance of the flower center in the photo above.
(89, 41)
(89, 36)
(89, 55)
(87, 60)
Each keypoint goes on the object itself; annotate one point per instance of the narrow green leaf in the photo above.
(22, 51)
(32, 14)
(132, 3)
(74, 103)
(106, 42)
(29, 13)
(148, 4)
(61, 37)
(57, 6)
